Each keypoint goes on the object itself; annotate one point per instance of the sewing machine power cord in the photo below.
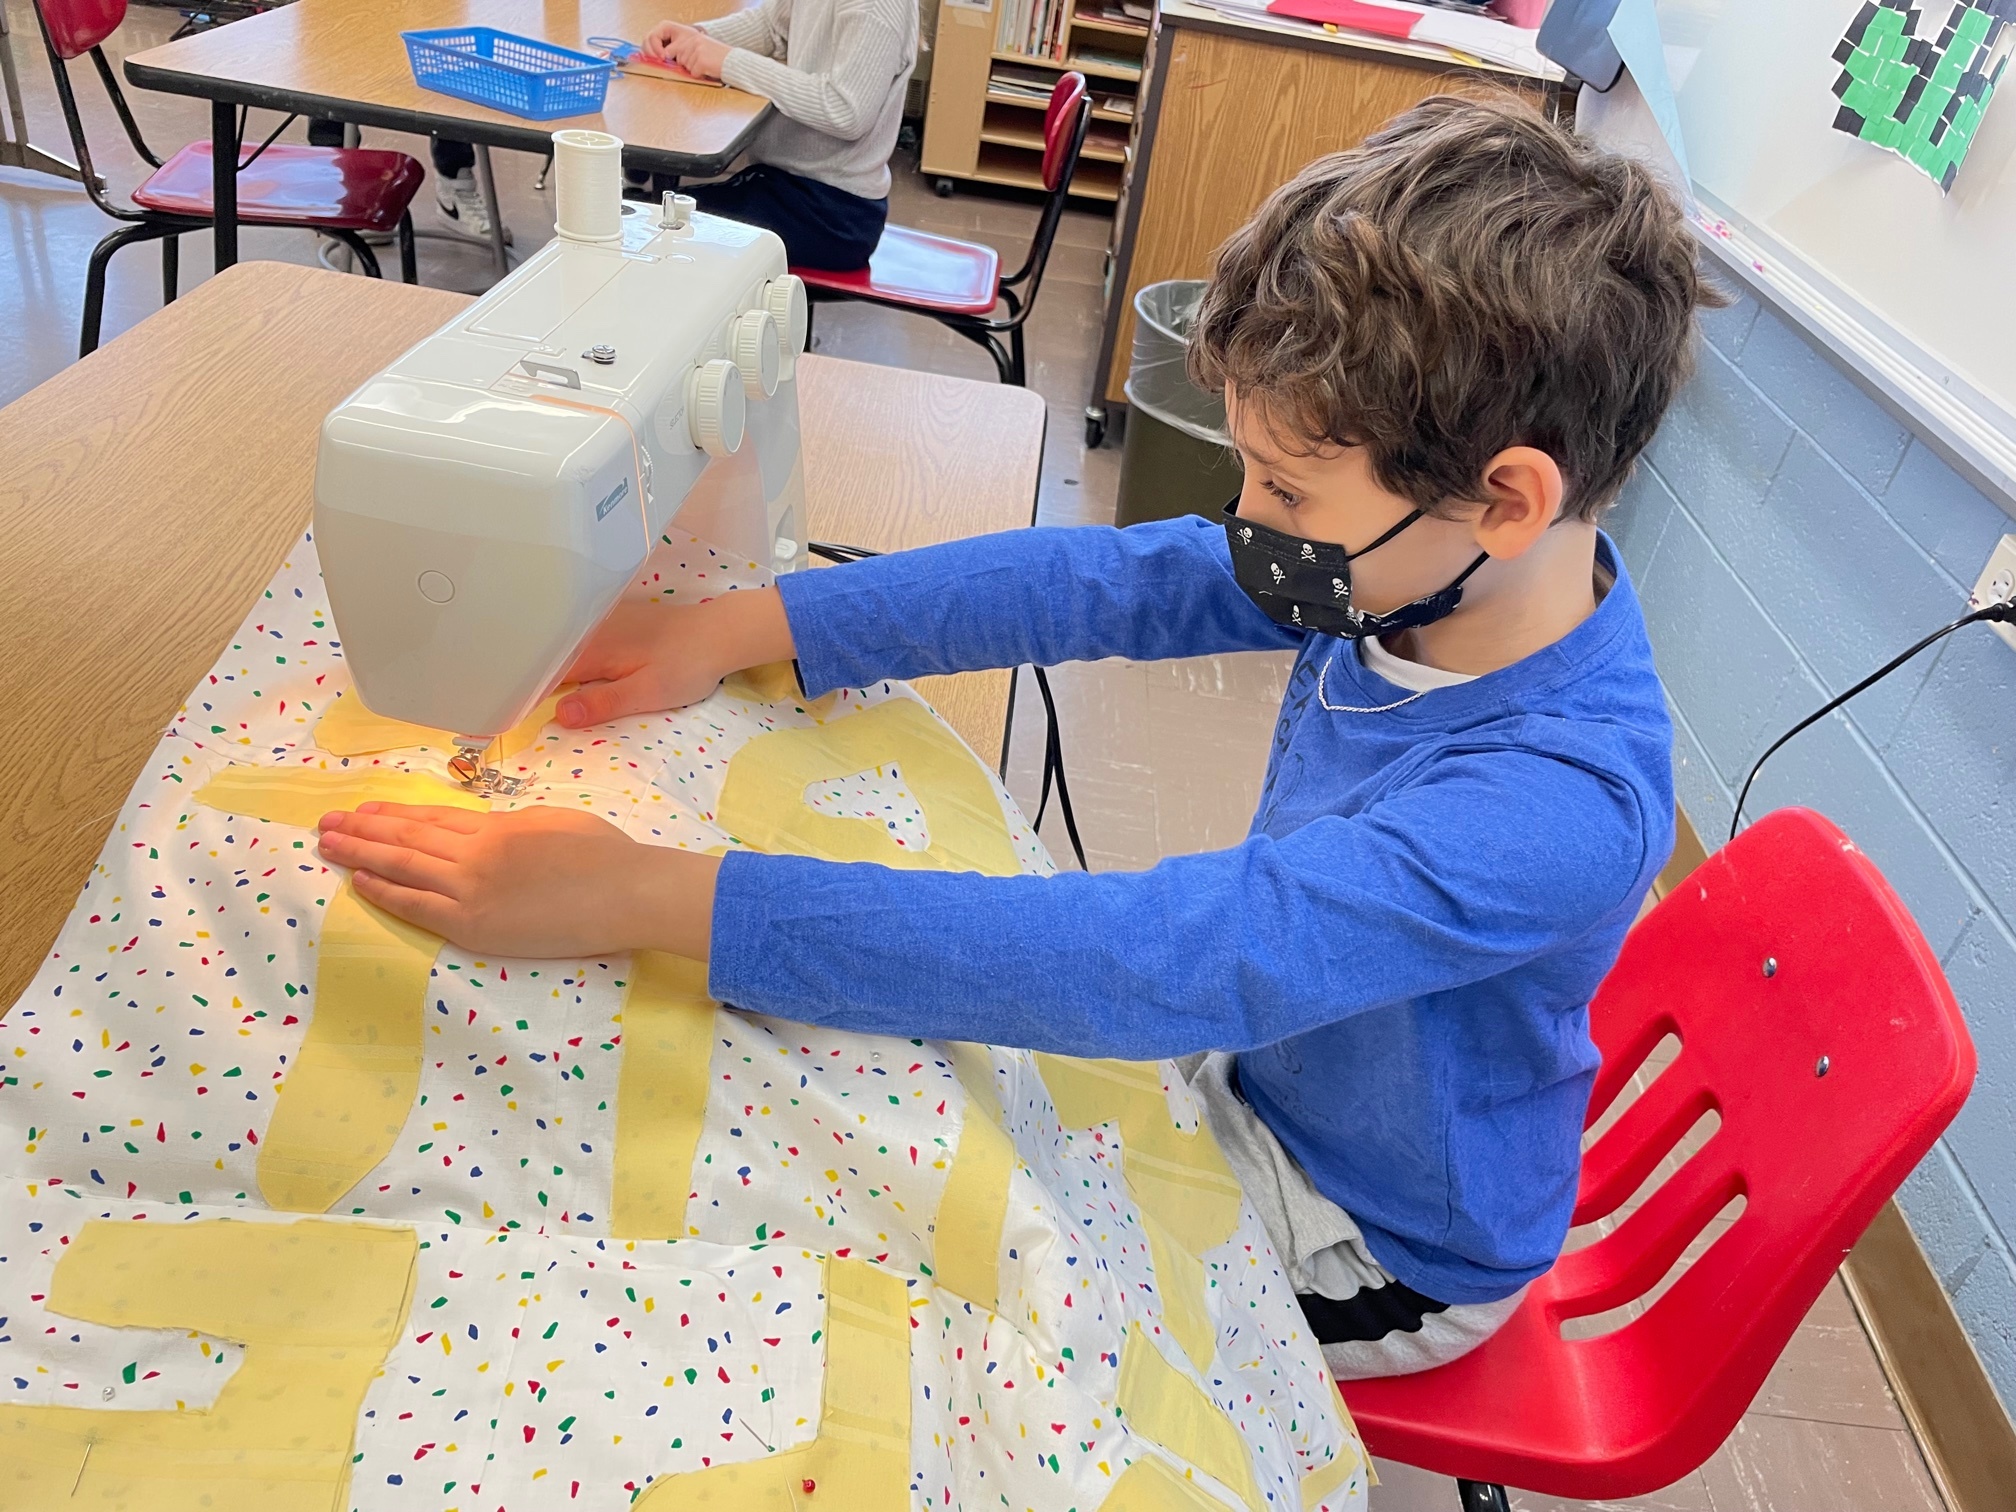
(2003, 611)
(1053, 745)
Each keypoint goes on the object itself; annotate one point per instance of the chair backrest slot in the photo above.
(1650, 1130)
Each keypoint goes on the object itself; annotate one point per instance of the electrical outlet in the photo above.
(1997, 582)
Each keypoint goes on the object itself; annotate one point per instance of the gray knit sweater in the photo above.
(837, 70)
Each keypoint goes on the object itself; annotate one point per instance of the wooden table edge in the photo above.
(533, 136)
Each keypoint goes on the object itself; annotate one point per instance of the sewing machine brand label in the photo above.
(616, 495)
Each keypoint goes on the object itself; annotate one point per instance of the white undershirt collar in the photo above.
(1415, 677)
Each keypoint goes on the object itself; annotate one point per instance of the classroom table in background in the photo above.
(344, 60)
(148, 493)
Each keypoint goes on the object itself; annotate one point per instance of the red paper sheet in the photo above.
(1353, 15)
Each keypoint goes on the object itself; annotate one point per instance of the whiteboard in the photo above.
(1908, 286)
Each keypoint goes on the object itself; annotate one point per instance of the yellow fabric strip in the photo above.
(762, 800)
(1182, 1179)
(302, 795)
(318, 1307)
(1320, 1484)
(773, 682)
(347, 728)
(974, 1067)
(358, 1070)
(966, 1240)
(861, 1460)
(1179, 1282)
(1350, 1424)
(1152, 1484)
(661, 1094)
(1163, 1405)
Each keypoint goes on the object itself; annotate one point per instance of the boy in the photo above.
(837, 70)
(1441, 352)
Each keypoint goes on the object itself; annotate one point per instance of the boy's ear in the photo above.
(1523, 488)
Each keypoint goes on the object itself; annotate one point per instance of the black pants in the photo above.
(450, 158)
(822, 227)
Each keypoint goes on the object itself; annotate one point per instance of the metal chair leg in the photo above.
(409, 262)
(486, 184)
(171, 268)
(94, 278)
(361, 251)
(1019, 360)
(1482, 1496)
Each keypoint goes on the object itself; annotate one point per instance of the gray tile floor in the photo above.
(1164, 759)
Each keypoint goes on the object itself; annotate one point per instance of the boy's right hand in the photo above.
(648, 656)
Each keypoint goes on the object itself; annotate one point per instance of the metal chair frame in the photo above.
(142, 225)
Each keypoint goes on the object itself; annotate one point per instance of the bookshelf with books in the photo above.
(991, 79)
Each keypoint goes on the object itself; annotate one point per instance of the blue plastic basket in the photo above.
(507, 72)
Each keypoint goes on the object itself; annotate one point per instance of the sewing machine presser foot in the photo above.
(468, 770)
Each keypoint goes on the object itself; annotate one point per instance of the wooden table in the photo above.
(344, 60)
(148, 493)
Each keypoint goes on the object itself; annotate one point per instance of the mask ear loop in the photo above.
(1352, 556)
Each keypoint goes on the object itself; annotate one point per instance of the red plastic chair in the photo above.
(1814, 1019)
(341, 192)
(958, 282)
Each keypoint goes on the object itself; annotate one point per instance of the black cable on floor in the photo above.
(1053, 761)
(1053, 744)
(2004, 612)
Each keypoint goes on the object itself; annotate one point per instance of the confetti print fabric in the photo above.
(548, 1359)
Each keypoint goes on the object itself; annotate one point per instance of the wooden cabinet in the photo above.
(1229, 112)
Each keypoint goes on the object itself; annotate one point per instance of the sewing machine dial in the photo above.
(717, 410)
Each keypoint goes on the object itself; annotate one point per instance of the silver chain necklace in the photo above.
(1323, 698)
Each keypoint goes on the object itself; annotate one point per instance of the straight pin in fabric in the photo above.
(754, 1434)
(89, 1445)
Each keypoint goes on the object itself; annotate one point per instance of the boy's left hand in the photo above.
(688, 46)
(536, 882)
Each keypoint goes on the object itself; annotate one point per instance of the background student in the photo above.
(837, 70)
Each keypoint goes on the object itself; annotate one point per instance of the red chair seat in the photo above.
(921, 272)
(341, 189)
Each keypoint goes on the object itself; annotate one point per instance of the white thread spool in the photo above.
(588, 178)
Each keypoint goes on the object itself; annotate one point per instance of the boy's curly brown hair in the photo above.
(1471, 277)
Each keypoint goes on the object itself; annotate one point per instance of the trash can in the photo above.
(1177, 458)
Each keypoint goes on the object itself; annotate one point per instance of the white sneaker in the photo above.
(462, 202)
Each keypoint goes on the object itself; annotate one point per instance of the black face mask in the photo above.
(1306, 585)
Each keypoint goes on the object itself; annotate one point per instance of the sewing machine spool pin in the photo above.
(469, 767)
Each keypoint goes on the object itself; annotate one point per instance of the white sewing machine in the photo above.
(483, 502)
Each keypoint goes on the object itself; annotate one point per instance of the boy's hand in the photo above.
(648, 656)
(688, 46)
(537, 882)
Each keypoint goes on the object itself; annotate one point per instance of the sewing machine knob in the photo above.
(716, 409)
(784, 298)
(752, 342)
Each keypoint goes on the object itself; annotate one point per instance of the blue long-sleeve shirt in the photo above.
(1402, 951)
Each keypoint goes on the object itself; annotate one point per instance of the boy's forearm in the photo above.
(1041, 595)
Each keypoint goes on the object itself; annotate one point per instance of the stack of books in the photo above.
(1033, 28)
